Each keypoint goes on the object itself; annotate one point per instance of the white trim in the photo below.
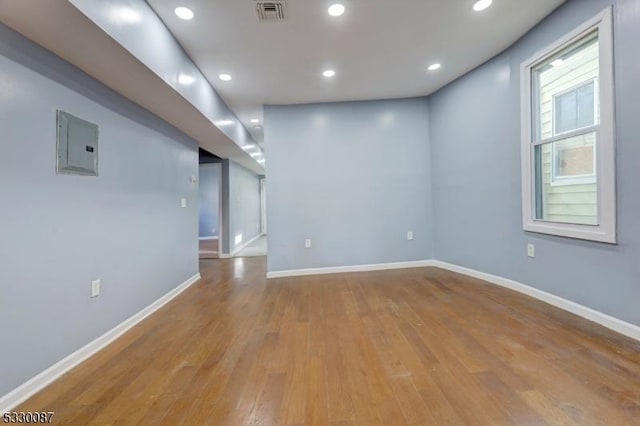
(245, 245)
(615, 324)
(605, 145)
(224, 256)
(568, 135)
(46, 377)
(207, 238)
(263, 206)
(354, 268)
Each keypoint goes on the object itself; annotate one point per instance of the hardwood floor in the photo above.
(417, 346)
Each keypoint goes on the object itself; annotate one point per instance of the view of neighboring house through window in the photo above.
(573, 110)
(564, 135)
(567, 171)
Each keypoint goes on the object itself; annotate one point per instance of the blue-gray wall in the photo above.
(353, 177)
(475, 137)
(209, 201)
(59, 232)
(244, 205)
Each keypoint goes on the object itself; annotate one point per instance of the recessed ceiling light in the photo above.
(186, 79)
(224, 77)
(336, 9)
(258, 127)
(184, 13)
(255, 120)
(434, 67)
(482, 5)
(557, 62)
(329, 73)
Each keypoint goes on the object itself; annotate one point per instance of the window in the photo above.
(568, 158)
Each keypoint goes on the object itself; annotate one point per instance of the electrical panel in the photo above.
(77, 145)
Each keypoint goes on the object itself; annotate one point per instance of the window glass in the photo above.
(575, 109)
(566, 83)
(576, 200)
(566, 100)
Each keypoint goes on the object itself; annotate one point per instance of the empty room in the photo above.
(320, 212)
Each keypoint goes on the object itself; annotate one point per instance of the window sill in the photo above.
(581, 232)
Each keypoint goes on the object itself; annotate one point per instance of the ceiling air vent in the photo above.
(271, 10)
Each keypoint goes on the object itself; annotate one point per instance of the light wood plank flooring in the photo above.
(417, 346)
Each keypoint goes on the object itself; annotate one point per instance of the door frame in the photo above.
(263, 206)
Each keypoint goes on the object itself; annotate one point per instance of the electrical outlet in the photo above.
(531, 250)
(307, 243)
(409, 235)
(183, 202)
(95, 288)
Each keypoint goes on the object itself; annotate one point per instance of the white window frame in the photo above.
(605, 230)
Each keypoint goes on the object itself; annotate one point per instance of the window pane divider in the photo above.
(568, 135)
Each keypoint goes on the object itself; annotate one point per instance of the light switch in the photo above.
(183, 202)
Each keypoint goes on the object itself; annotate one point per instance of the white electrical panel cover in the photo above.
(77, 143)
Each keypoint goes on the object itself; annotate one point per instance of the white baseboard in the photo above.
(239, 248)
(603, 319)
(207, 238)
(35, 384)
(355, 268)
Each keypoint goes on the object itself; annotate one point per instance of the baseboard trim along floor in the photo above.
(48, 376)
(239, 248)
(615, 324)
(345, 269)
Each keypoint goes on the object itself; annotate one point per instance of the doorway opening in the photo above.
(209, 208)
(257, 247)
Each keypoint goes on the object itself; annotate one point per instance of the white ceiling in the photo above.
(378, 48)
